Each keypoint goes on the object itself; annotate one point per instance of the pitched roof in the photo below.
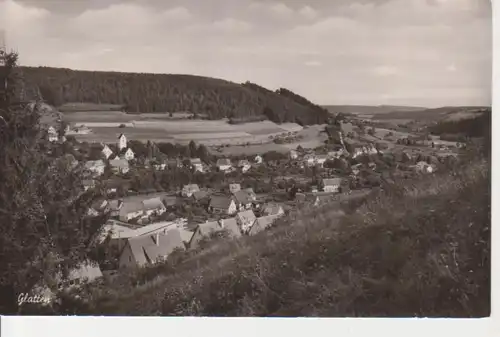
(153, 203)
(250, 191)
(145, 248)
(223, 162)
(191, 188)
(272, 209)
(115, 230)
(332, 182)
(198, 195)
(207, 227)
(220, 202)
(163, 226)
(243, 197)
(262, 223)
(195, 161)
(131, 207)
(231, 225)
(246, 216)
(170, 201)
(119, 163)
(121, 135)
(185, 235)
(243, 162)
(93, 163)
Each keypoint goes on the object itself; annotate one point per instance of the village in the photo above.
(241, 196)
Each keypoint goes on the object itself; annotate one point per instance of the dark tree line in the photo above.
(166, 93)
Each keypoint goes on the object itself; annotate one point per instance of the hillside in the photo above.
(435, 114)
(416, 249)
(165, 93)
(370, 110)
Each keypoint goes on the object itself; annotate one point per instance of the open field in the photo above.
(249, 149)
(86, 107)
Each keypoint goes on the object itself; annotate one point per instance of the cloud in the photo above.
(451, 68)
(385, 70)
(313, 63)
(308, 12)
(232, 25)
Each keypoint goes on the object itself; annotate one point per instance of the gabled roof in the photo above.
(93, 163)
(199, 195)
(163, 226)
(332, 182)
(191, 188)
(195, 161)
(272, 209)
(220, 202)
(170, 201)
(145, 248)
(223, 162)
(246, 216)
(250, 191)
(207, 227)
(131, 207)
(119, 163)
(243, 197)
(231, 225)
(121, 135)
(262, 223)
(153, 203)
(234, 187)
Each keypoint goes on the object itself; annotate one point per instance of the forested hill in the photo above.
(143, 93)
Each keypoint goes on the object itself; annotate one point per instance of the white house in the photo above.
(331, 185)
(220, 204)
(245, 220)
(258, 159)
(129, 154)
(321, 159)
(119, 165)
(244, 165)
(106, 151)
(273, 209)
(95, 167)
(52, 134)
(197, 164)
(309, 160)
(122, 142)
(224, 165)
(154, 206)
(293, 154)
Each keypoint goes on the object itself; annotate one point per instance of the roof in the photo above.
(262, 223)
(93, 163)
(223, 162)
(243, 197)
(153, 203)
(185, 234)
(155, 227)
(207, 227)
(322, 157)
(250, 191)
(170, 200)
(332, 182)
(272, 209)
(220, 202)
(115, 230)
(121, 135)
(243, 162)
(131, 207)
(120, 163)
(198, 195)
(115, 205)
(231, 225)
(246, 216)
(145, 249)
(195, 161)
(191, 188)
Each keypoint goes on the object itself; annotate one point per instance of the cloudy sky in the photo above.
(412, 52)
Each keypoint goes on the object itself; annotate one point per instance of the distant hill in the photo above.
(370, 109)
(436, 114)
(163, 93)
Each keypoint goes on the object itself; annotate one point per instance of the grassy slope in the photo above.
(421, 250)
(367, 109)
(429, 114)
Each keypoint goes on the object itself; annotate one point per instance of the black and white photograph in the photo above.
(249, 158)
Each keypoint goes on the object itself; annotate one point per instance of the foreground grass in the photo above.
(416, 250)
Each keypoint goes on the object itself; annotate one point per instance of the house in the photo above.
(122, 142)
(150, 249)
(153, 206)
(128, 155)
(224, 165)
(114, 207)
(245, 220)
(99, 206)
(314, 189)
(52, 134)
(106, 151)
(197, 164)
(188, 190)
(233, 188)
(232, 227)
(273, 209)
(201, 196)
(243, 199)
(114, 233)
(95, 167)
(85, 272)
(424, 167)
(130, 210)
(220, 204)
(204, 230)
(88, 184)
(258, 159)
(309, 160)
(321, 159)
(293, 154)
(170, 201)
(250, 193)
(331, 185)
(174, 163)
(262, 223)
(244, 165)
(119, 165)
